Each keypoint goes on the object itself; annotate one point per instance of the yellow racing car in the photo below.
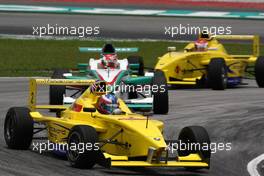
(122, 139)
(207, 63)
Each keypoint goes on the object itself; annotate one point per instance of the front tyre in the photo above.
(160, 95)
(195, 135)
(56, 93)
(83, 136)
(217, 74)
(259, 71)
(18, 128)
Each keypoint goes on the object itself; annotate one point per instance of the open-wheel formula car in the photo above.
(141, 91)
(206, 63)
(125, 139)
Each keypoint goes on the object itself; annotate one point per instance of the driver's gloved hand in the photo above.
(118, 112)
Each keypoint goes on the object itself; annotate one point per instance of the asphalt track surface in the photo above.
(123, 26)
(234, 115)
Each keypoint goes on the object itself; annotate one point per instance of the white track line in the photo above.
(252, 166)
(32, 37)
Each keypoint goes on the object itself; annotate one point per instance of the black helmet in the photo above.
(108, 49)
(205, 35)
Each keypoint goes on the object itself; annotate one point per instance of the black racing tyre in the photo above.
(259, 71)
(132, 92)
(58, 73)
(56, 92)
(217, 74)
(132, 95)
(195, 135)
(18, 128)
(160, 96)
(137, 60)
(202, 83)
(83, 135)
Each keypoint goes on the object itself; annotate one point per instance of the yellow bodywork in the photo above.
(188, 66)
(137, 132)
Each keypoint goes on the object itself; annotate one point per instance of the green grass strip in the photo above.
(40, 57)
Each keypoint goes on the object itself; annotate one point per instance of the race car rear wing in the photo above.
(119, 50)
(254, 38)
(33, 86)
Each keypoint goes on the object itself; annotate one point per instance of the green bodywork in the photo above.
(140, 106)
(139, 80)
(82, 67)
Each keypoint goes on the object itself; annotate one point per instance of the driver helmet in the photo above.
(205, 35)
(107, 104)
(109, 56)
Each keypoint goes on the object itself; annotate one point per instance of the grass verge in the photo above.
(40, 57)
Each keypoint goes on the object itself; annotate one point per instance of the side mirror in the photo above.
(171, 48)
(89, 110)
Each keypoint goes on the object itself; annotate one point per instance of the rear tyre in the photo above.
(56, 92)
(132, 95)
(217, 74)
(160, 97)
(137, 60)
(83, 135)
(259, 71)
(199, 136)
(18, 128)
